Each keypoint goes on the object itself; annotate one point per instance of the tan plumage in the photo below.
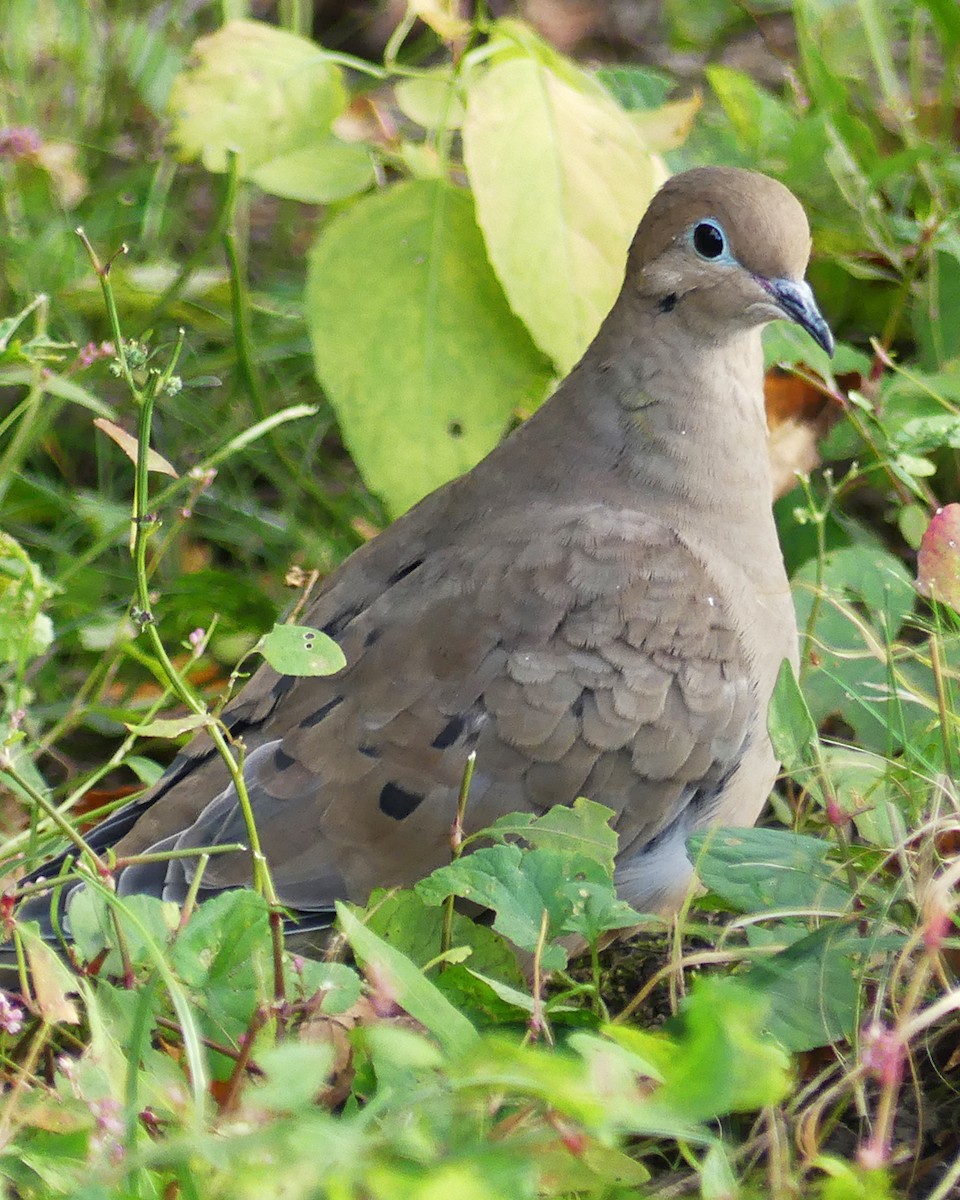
(599, 608)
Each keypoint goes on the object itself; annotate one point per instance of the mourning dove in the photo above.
(599, 608)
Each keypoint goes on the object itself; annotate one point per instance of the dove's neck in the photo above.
(684, 425)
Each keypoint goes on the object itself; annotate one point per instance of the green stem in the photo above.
(456, 849)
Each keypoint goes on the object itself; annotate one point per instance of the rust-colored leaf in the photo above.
(128, 444)
(938, 560)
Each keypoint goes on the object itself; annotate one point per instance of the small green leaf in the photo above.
(145, 769)
(912, 521)
(595, 909)
(301, 650)
(717, 1180)
(847, 1181)
(338, 984)
(636, 87)
(170, 727)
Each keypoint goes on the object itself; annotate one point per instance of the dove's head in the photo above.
(726, 249)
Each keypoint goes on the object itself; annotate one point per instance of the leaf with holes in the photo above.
(301, 650)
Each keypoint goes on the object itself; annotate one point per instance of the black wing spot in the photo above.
(282, 686)
(372, 638)
(339, 623)
(580, 700)
(449, 733)
(369, 751)
(397, 802)
(316, 717)
(404, 571)
(668, 303)
(282, 760)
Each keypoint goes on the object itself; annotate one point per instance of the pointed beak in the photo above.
(797, 302)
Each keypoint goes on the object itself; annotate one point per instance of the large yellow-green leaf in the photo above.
(414, 342)
(561, 177)
(259, 92)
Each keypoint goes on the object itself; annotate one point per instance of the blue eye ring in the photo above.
(709, 241)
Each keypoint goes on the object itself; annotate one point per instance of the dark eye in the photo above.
(708, 240)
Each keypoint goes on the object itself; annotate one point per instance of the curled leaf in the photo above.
(128, 444)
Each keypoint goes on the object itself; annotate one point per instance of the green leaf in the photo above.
(580, 828)
(93, 927)
(936, 312)
(170, 727)
(636, 87)
(520, 887)
(847, 1181)
(866, 786)
(413, 340)
(717, 1180)
(787, 344)
(561, 176)
(256, 91)
(812, 987)
(849, 610)
(25, 631)
(411, 989)
(722, 1063)
(406, 922)
(224, 957)
(338, 983)
(145, 769)
(765, 125)
(431, 100)
(755, 870)
(301, 650)
(294, 1073)
(595, 909)
(928, 433)
(792, 730)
